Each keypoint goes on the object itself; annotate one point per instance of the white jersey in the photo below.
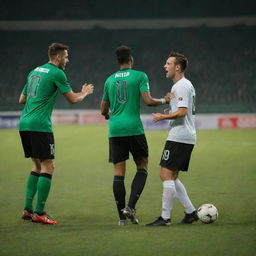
(183, 129)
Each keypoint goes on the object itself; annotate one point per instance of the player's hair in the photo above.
(123, 54)
(55, 49)
(180, 60)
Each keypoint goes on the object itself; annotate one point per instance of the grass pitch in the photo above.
(222, 172)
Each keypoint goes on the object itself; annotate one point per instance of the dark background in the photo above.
(222, 64)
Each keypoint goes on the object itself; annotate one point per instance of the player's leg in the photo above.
(118, 154)
(137, 187)
(168, 175)
(139, 149)
(44, 184)
(119, 190)
(43, 149)
(168, 178)
(182, 154)
(43, 189)
(190, 211)
(139, 181)
(31, 188)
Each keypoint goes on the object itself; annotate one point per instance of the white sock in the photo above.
(183, 197)
(169, 192)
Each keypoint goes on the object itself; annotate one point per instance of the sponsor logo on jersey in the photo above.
(44, 70)
(124, 74)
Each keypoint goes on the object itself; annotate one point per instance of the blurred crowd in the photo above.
(114, 9)
(221, 62)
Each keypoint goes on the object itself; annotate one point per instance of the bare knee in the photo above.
(142, 163)
(119, 169)
(168, 174)
(47, 166)
(36, 167)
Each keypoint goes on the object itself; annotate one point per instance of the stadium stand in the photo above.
(114, 9)
(221, 59)
(221, 62)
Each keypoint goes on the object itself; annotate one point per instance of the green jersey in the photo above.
(123, 90)
(41, 89)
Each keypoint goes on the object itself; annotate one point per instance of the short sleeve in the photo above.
(144, 84)
(62, 83)
(105, 93)
(182, 96)
(25, 89)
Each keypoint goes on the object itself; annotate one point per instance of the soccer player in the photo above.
(35, 127)
(180, 141)
(121, 105)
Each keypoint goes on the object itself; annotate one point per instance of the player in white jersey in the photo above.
(180, 141)
(183, 129)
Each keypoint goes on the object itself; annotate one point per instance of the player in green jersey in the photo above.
(121, 105)
(39, 94)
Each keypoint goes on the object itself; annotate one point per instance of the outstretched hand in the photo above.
(157, 117)
(88, 89)
(169, 96)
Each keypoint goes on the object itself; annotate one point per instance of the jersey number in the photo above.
(166, 155)
(33, 86)
(194, 105)
(122, 93)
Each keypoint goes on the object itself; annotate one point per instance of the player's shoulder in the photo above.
(185, 83)
(138, 72)
(48, 69)
(111, 77)
(189, 85)
(139, 75)
(56, 72)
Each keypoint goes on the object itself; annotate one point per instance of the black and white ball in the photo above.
(207, 213)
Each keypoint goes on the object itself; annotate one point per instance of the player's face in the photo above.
(170, 67)
(63, 60)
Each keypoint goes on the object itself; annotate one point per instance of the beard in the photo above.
(62, 66)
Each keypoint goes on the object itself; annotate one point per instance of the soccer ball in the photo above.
(207, 213)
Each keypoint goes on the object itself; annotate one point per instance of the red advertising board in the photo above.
(237, 122)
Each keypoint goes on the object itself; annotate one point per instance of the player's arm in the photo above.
(181, 112)
(145, 93)
(23, 99)
(150, 101)
(73, 97)
(104, 108)
(23, 95)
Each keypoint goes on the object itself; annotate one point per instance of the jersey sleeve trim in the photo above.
(67, 90)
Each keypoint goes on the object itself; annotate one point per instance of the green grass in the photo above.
(222, 172)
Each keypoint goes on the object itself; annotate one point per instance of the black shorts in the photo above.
(38, 144)
(119, 148)
(176, 155)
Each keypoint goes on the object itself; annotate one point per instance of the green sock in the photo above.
(31, 189)
(43, 188)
